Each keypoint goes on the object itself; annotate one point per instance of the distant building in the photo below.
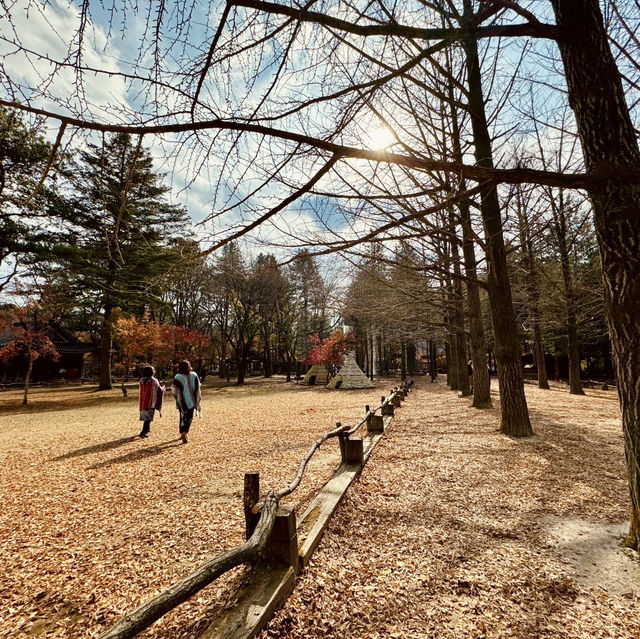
(69, 366)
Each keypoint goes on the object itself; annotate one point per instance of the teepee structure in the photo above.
(350, 376)
(317, 375)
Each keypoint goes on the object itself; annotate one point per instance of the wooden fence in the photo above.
(277, 547)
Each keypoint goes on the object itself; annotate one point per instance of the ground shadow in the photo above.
(96, 448)
(137, 455)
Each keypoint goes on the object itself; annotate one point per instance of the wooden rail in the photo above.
(142, 617)
(266, 525)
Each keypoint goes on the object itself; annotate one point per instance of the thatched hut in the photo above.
(317, 375)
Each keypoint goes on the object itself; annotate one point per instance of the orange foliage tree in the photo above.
(162, 344)
(137, 337)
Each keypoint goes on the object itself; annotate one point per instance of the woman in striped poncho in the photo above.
(151, 394)
(186, 390)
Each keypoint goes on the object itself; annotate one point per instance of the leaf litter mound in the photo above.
(452, 530)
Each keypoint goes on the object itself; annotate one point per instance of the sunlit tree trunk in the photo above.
(106, 342)
(481, 395)
(27, 377)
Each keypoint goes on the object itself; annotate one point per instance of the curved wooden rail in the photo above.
(142, 617)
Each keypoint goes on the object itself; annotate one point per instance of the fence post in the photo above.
(341, 438)
(367, 410)
(376, 424)
(283, 543)
(250, 499)
(353, 451)
(396, 401)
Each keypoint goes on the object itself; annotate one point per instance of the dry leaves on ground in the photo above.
(95, 521)
(452, 530)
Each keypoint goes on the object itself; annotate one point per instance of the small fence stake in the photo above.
(283, 543)
(396, 401)
(376, 424)
(387, 409)
(250, 499)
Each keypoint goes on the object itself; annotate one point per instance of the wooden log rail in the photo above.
(260, 518)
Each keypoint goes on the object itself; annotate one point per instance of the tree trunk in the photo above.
(573, 350)
(458, 316)
(242, 371)
(403, 360)
(611, 153)
(452, 367)
(478, 343)
(481, 395)
(411, 358)
(538, 351)
(513, 404)
(106, 341)
(268, 364)
(367, 357)
(532, 289)
(27, 378)
(433, 356)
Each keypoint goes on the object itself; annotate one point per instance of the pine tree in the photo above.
(25, 203)
(120, 247)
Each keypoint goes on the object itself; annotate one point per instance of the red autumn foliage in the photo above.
(29, 337)
(331, 350)
(163, 343)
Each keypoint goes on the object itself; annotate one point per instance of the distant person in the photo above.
(186, 390)
(470, 374)
(151, 394)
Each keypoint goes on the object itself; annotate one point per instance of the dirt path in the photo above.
(456, 531)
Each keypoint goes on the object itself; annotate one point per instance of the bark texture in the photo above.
(611, 153)
(478, 344)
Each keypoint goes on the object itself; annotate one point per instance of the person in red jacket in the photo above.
(151, 394)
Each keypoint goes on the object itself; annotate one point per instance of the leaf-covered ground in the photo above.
(95, 521)
(452, 530)
(455, 530)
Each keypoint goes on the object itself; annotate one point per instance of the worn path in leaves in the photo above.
(452, 530)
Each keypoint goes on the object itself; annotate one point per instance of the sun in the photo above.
(380, 138)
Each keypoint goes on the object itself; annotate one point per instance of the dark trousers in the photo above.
(186, 417)
(145, 427)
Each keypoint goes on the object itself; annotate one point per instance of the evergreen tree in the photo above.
(121, 244)
(25, 203)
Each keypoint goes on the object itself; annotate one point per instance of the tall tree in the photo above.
(611, 154)
(26, 192)
(119, 247)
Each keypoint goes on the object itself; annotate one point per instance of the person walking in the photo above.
(186, 390)
(151, 394)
